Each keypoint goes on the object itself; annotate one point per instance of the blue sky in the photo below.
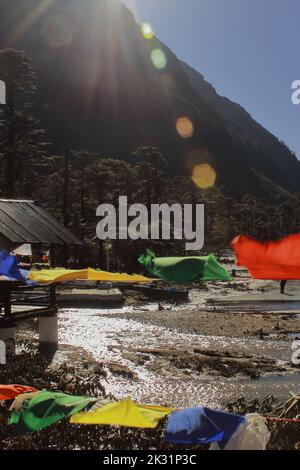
(246, 48)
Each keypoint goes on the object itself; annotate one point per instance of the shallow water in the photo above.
(106, 337)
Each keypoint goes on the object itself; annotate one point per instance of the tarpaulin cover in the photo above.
(186, 269)
(124, 413)
(274, 260)
(45, 409)
(201, 426)
(9, 269)
(9, 392)
(48, 276)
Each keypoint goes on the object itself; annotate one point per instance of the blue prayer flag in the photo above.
(201, 426)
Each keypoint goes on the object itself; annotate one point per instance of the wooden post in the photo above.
(5, 298)
(7, 304)
(53, 296)
(66, 214)
(7, 326)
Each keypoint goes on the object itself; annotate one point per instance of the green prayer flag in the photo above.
(45, 409)
(184, 269)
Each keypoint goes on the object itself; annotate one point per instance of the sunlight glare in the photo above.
(185, 127)
(147, 31)
(57, 31)
(204, 176)
(159, 59)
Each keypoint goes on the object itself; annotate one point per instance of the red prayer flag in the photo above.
(9, 392)
(273, 260)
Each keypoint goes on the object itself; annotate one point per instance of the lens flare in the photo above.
(28, 19)
(185, 127)
(57, 31)
(204, 176)
(147, 31)
(159, 59)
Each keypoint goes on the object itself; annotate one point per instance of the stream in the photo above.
(109, 338)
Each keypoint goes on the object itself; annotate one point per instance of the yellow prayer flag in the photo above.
(48, 276)
(124, 413)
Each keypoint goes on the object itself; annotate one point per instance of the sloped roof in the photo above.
(24, 221)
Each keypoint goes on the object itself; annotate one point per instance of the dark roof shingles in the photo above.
(28, 222)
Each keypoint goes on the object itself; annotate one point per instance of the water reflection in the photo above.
(107, 337)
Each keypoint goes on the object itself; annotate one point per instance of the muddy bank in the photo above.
(194, 321)
(73, 359)
(199, 317)
(176, 362)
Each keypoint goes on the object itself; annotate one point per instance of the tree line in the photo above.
(73, 184)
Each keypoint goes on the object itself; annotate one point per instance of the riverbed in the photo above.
(187, 355)
(148, 371)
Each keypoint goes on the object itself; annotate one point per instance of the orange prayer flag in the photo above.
(9, 392)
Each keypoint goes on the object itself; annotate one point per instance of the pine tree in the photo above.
(22, 146)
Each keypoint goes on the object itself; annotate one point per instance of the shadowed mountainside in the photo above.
(95, 71)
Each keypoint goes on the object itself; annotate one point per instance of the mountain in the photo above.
(95, 72)
(264, 152)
